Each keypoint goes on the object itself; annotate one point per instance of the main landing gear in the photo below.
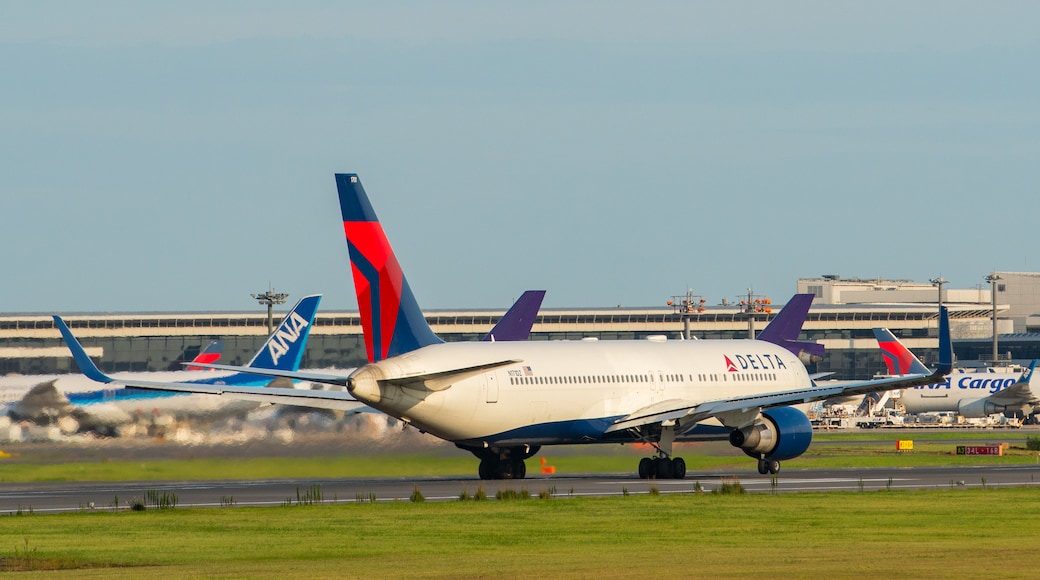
(662, 468)
(502, 463)
(664, 465)
(771, 466)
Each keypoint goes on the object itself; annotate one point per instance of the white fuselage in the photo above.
(561, 392)
(958, 392)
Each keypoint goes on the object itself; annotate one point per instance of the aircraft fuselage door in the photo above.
(655, 387)
(492, 387)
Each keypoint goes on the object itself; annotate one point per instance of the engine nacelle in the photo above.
(778, 433)
(979, 409)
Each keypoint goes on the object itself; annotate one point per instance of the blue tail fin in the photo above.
(86, 366)
(390, 316)
(283, 350)
(516, 323)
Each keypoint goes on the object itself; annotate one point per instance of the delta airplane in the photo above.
(502, 401)
(971, 395)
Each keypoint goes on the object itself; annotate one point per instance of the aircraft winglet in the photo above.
(86, 366)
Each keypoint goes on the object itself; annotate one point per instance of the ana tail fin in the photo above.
(516, 323)
(390, 316)
(283, 350)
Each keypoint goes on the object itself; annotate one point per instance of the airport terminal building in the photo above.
(842, 318)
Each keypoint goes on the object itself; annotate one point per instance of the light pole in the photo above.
(939, 282)
(685, 306)
(752, 306)
(270, 298)
(992, 279)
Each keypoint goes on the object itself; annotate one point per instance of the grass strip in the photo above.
(958, 532)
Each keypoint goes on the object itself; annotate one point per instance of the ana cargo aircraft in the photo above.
(971, 395)
(502, 401)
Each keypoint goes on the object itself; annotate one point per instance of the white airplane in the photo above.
(971, 395)
(502, 401)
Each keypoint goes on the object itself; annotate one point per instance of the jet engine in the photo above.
(979, 409)
(778, 433)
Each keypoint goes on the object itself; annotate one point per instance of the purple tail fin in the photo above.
(515, 325)
(785, 327)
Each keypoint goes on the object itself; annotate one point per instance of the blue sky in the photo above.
(180, 157)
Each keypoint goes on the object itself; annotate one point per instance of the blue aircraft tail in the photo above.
(283, 350)
(390, 316)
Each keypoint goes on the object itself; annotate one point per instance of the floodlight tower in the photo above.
(685, 306)
(270, 298)
(755, 303)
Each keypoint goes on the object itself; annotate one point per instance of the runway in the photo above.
(51, 497)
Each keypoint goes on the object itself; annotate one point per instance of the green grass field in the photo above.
(947, 533)
(953, 532)
(829, 450)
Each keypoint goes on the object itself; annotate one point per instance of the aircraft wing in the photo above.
(329, 379)
(690, 412)
(339, 400)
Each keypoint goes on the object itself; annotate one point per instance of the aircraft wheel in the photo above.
(519, 469)
(763, 467)
(485, 470)
(663, 467)
(773, 466)
(645, 465)
(679, 468)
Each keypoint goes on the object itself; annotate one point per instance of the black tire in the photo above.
(773, 466)
(645, 465)
(663, 468)
(519, 469)
(763, 467)
(484, 470)
(678, 468)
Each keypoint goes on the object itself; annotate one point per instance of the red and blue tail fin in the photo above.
(898, 359)
(390, 316)
(210, 354)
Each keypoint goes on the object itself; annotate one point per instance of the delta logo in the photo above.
(753, 362)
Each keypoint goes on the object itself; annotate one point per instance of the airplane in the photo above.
(515, 324)
(971, 395)
(502, 401)
(102, 410)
